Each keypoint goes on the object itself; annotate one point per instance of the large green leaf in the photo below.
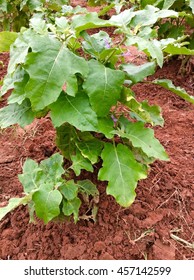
(49, 71)
(47, 202)
(6, 40)
(103, 86)
(122, 172)
(143, 138)
(136, 73)
(74, 110)
(15, 113)
(177, 90)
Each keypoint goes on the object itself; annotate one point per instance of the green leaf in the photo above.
(122, 172)
(52, 169)
(123, 18)
(136, 73)
(74, 110)
(143, 138)
(47, 202)
(86, 186)
(6, 40)
(79, 162)
(105, 91)
(154, 112)
(168, 4)
(66, 140)
(49, 71)
(90, 148)
(165, 83)
(14, 203)
(106, 126)
(150, 15)
(141, 110)
(72, 207)
(29, 176)
(48, 171)
(178, 50)
(95, 43)
(18, 95)
(18, 51)
(38, 24)
(15, 113)
(69, 190)
(151, 48)
(88, 21)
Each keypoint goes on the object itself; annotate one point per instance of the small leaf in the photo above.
(123, 18)
(6, 40)
(105, 92)
(72, 207)
(152, 48)
(74, 110)
(88, 187)
(66, 140)
(69, 190)
(47, 202)
(177, 90)
(15, 113)
(29, 176)
(95, 43)
(79, 162)
(14, 203)
(178, 50)
(168, 4)
(122, 172)
(141, 110)
(90, 149)
(154, 112)
(52, 169)
(18, 94)
(136, 73)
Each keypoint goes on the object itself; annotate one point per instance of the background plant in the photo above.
(56, 67)
(15, 14)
